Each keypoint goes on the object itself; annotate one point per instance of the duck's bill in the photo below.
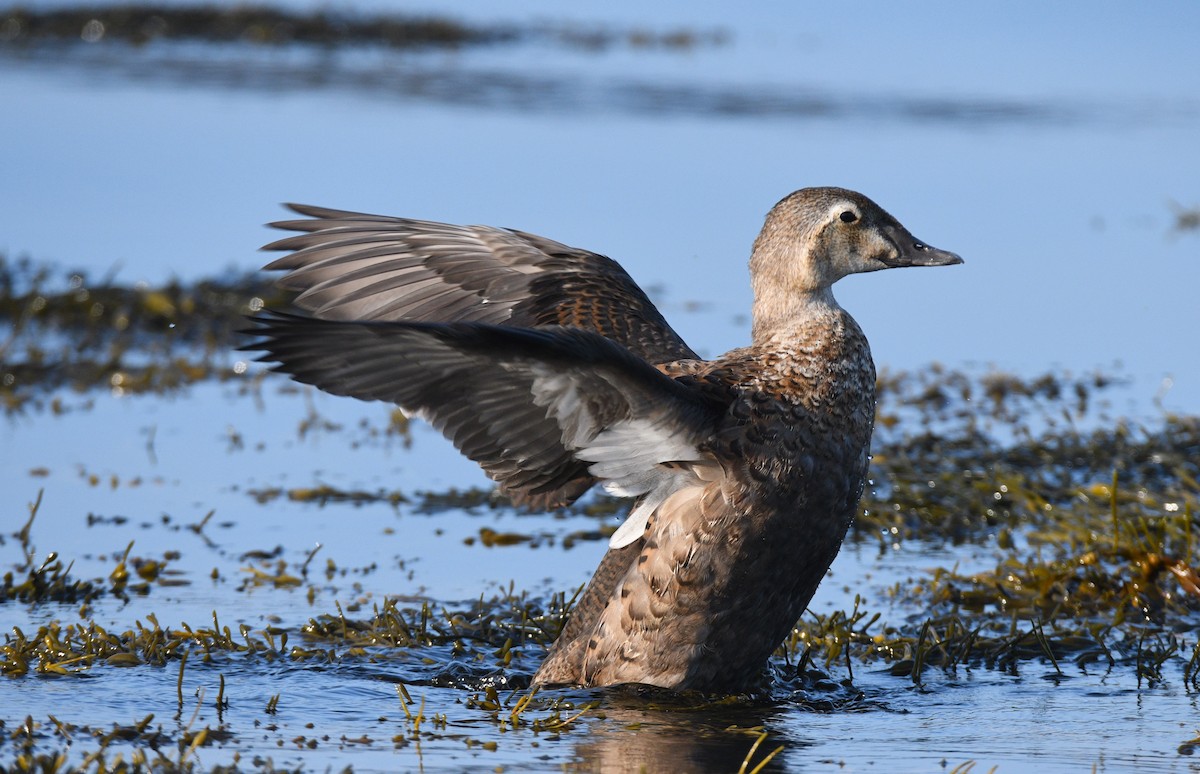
(921, 254)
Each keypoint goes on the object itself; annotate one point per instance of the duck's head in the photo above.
(815, 236)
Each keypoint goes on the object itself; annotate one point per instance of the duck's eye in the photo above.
(848, 217)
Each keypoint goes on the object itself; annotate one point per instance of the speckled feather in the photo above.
(550, 367)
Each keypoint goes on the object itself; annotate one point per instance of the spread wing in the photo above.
(546, 412)
(353, 266)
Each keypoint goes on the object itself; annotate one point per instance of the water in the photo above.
(1048, 146)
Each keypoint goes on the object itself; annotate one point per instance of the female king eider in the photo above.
(552, 369)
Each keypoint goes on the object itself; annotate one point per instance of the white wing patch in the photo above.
(630, 456)
(626, 455)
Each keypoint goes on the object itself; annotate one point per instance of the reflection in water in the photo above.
(682, 733)
(658, 747)
(447, 81)
(670, 735)
(645, 728)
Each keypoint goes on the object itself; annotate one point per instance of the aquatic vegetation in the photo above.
(49, 580)
(146, 740)
(328, 28)
(1084, 527)
(246, 24)
(64, 330)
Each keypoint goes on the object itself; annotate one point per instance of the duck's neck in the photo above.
(777, 312)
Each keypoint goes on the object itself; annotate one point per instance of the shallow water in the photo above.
(1053, 157)
(347, 709)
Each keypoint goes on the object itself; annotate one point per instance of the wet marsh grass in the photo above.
(1090, 523)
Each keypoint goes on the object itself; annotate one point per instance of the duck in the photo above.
(552, 369)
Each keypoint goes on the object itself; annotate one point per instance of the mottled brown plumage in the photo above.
(552, 369)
